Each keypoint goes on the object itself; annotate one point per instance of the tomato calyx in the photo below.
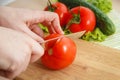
(75, 19)
(87, 19)
(60, 9)
(51, 7)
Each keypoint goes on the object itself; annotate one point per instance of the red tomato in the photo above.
(87, 20)
(61, 10)
(58, 53)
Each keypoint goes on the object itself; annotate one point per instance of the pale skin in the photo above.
(20, 37)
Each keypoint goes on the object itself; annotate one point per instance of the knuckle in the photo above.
(56, 15)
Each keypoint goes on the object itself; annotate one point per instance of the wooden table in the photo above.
(93, 61)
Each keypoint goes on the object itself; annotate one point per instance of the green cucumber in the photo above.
(103, 21)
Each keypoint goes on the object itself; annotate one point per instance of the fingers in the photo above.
(51, 30)
(15, 69)
(3, 78)
(37, 52)
(48, 19)
(54, 19)
(56, 25)
(21, 63)
(18, 66)
(33, 35)
(37, 30)
(2, 73)
(49, 26)
(25, 29)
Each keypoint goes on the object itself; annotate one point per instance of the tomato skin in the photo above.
(60, 54)
(61, 10)
(87, 19)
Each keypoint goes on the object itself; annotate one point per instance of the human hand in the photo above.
(26, 20)
(16, 51)
(3, 78)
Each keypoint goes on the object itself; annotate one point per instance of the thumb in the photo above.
(37, 51)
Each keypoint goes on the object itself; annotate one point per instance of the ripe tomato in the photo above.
(60, 9)
(87, 19)
(58, 53)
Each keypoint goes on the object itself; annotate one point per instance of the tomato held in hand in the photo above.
(60, 9)
(59, 53)
(81, 18)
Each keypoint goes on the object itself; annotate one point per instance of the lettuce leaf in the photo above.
(44, 28)
(95, 35)
(103, 5)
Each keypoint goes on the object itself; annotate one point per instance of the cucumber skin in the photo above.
(103, 21)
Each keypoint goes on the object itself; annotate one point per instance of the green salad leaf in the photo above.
(66, 31)
(44, 28)
(103, 5)
(95, 35)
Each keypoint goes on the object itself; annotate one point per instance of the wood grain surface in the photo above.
(92, 62)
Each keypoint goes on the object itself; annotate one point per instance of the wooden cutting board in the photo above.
(92, 62)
